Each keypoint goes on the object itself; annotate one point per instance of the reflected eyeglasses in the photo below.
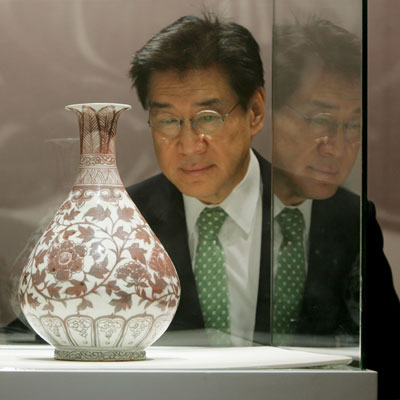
(325, 124)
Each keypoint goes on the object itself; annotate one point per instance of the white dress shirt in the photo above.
(240, 237)
(305, 209)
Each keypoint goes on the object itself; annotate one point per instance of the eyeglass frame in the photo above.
(329, 133)
(201, 134)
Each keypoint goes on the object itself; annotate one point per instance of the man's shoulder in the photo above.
(343, 208)
(346, 195)
(156, 197)
(151, 192)
(342, 197)
(155, 183)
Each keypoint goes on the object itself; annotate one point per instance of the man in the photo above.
(202, 82)
(316, 137)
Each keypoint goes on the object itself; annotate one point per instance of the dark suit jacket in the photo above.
(161, 204)
(324, 311)
(333, 251)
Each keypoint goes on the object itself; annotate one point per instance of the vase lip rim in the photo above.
(98, 106)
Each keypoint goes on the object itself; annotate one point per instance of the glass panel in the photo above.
(317, 104)
(83, 60)
(67, 57)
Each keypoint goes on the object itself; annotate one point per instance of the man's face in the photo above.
(207, 168)
(304, 166)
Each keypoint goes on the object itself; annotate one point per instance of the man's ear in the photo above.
(257, 111)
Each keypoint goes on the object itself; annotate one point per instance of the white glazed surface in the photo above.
(99, 278)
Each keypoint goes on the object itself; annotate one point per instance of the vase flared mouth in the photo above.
(98, 106)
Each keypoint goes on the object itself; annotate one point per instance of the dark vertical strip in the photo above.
(271, 232)
(364, 177)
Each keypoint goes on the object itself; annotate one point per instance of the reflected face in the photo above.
(204, 167)
(307, 167)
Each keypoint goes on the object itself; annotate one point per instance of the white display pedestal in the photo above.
(30, 372)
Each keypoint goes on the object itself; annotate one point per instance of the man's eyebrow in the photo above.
(321, 104)
(156, 104)
(214, 102)
(327, 106)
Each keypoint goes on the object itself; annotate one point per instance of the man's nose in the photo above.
(189, 140)
(333, 143)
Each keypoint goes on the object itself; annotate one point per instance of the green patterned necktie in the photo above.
(211, 277)
(290, 276)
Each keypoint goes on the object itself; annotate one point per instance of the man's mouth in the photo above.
(196, 170)
(324, 173)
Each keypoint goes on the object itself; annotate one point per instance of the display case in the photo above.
(317, 125)
(304, 330)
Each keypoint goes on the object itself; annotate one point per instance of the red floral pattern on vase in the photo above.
(99, 285)
(65, 260)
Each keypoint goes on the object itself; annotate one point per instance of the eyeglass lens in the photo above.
(327, 124)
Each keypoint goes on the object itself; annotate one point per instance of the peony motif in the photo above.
(65, 260)
(134, 274)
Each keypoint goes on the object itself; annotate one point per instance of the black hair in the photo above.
(295, 45)
(198, 43)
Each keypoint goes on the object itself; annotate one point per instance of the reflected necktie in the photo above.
(211, 277)
(290, 276)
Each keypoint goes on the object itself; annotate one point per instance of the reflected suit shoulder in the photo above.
(333, 255)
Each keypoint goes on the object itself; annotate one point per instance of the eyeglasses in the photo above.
(205, 123)
(325, 124)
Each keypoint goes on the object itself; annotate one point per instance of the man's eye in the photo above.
(353, 126)
(167, 121)
(208, 119)
(321, 121)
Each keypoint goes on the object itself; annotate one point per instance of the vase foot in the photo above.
(87, 354)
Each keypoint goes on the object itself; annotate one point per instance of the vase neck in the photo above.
(98, 169)
(98, 127)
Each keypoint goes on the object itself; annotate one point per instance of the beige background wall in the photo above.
(58, 52)
(384, 123)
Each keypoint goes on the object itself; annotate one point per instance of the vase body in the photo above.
(99, 285)
(66, 153)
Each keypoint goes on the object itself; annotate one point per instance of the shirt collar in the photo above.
(240, 205)
(304, 207)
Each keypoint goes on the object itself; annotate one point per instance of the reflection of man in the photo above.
(316, 137)
(202, 82)
(317, 114)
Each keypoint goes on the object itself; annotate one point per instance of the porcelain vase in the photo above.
(99, 285)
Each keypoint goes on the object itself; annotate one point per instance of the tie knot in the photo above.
(210, 220)
(292, 223)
